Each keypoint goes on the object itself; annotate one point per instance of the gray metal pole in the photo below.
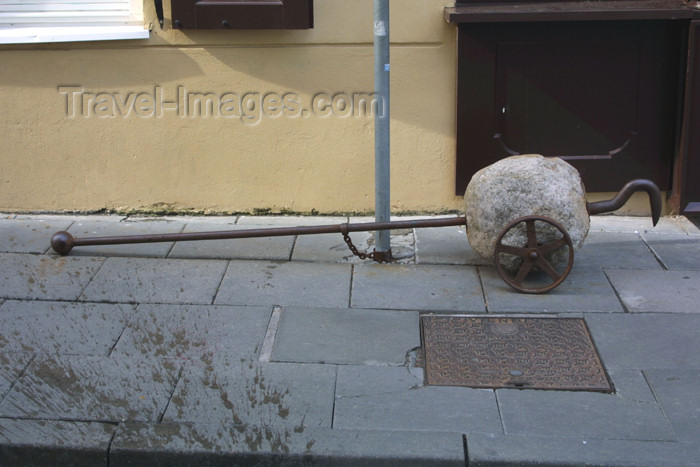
(382, 149)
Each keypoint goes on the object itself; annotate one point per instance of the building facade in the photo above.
(134, 116)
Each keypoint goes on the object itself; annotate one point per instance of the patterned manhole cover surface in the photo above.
(527, 353)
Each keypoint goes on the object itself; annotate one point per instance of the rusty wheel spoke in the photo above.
(547, 267)
(553, 246)
(524, 270)
(531, 233)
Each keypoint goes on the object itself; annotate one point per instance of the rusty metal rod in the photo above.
(63, 242)
(625, 194)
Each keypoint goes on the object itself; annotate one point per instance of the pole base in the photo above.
(382, 256)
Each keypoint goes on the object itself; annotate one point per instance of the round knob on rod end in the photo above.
(62, 242)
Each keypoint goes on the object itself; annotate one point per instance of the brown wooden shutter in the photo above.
(242, 14)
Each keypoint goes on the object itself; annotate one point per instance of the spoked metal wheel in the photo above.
(530, 264)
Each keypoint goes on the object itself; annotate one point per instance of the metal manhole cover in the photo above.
(531, 353)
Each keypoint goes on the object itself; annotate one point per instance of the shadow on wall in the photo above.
(95, 68)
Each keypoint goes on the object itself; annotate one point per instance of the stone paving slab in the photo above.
(330, 247)
(346, 336)
(643, 225)
(29, 235)
(681, 252)
(117, 227)
(196, 366)
(143, 280)
(140, 444)
(692, 227)
(268, 248)
(51, 443)
(92, 389)
(72, 217)
(657, 291)
(402, 243)
(290, 221)
(286, 284)
(28, 276)
(446, 245)
(487, 450)
(244, 392)
(392, 398)
(584, 290)
(615, 250)
(677, 391)
(194, 332)
(647, 341)
(12, 365)
(695, 220)
(417, 287)
(62, 327)
(403, 246)
(216, 222)
(587, 414)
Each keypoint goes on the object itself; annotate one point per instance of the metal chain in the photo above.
(353, 248)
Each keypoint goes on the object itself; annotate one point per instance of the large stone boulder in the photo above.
(523, 186)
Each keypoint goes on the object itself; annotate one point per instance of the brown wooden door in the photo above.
(687, 182)
(602, 95)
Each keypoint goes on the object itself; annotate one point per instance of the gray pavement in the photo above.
(289, 351)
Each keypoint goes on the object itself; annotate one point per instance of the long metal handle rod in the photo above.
(63, 242)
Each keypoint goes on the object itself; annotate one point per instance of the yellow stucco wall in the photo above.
(87, 126)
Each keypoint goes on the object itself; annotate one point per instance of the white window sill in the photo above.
(33, 35)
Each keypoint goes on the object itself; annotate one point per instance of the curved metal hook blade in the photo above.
(626, 193)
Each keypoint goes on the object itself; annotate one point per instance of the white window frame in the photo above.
(41, 21)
